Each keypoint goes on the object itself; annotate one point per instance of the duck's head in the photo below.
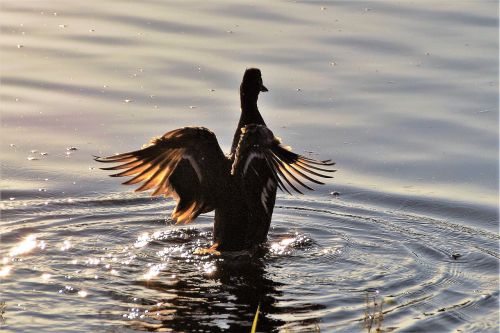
(252, 84)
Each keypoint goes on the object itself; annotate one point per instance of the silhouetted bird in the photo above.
(188, 165)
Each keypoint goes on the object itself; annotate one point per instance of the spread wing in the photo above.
(185, 163)
(261, 160)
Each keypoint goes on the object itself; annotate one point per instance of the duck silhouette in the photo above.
(189, 165)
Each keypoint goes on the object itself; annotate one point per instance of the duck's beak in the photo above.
(263, 88)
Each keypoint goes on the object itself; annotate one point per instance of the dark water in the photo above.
(404, 96)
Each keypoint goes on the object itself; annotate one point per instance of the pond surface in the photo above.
(402, 95)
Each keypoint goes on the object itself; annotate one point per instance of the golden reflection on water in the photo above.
(5, 270)
(65, 245)
(282, 247)
(142, 240)
(153, 271)
(285, 245)
(46, 277)
(25, 246)
(209, 268)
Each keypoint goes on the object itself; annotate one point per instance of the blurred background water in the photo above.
(402, 95)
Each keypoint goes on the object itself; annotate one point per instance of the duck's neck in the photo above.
(249, 111)
(249, 115)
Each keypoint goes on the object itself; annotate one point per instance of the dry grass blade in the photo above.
(255, 319)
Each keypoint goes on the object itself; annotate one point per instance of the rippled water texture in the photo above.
(403, 95)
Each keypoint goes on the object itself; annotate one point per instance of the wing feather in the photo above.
(280, 184)
(139, 168)
(286, 167)
(162, 167)
(123, 166)
(143, 173)
(282, 175)
(289, 173)
(303, 167)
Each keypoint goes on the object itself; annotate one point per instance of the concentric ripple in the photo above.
(327, 265)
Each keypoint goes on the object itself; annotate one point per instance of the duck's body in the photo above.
(189, 165)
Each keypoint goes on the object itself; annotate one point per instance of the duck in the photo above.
(188, 165)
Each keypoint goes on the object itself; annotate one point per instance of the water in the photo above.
(403, 96)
